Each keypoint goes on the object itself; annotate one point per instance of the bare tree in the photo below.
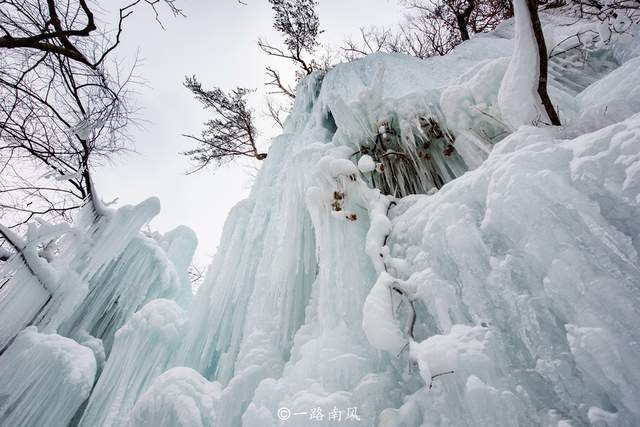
(57, 118)
(67, 28)
(543, 73)
(372, 40)
(275, 112)
(434, 27)
(230, 134)
(63, 107)
(427, 37)
(618, 14)
(456, 20)
(279, 86)
(418, 36)
(454, 13)
(298, 22)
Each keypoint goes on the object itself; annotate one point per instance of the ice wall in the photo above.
(485, 323)
(46, 292)
(528, 246)
(92, 277)
(140, 273)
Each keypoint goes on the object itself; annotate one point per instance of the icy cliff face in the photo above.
(491, 301)
(75, 294)
(530, 246)
(507, 297)
(405, 258)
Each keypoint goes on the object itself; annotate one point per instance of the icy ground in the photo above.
(471, 273)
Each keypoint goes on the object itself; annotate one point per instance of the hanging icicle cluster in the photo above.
(411, 158)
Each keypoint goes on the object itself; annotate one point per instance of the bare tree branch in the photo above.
(63, 108)
(275, 112)
(543, 74)
(298, 22)
(276, 81)
(230, 133)
(52, 33)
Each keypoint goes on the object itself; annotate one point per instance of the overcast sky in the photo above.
(217, 42)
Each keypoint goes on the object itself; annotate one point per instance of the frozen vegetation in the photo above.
(414, 252)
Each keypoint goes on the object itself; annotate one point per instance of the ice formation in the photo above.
(142, 350)
(518, 98)
(102, 271)
(180, 397)
(45, 379)
(409, 256)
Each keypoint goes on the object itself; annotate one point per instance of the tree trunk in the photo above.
(462, 19)
(462, 27)
(544, 62)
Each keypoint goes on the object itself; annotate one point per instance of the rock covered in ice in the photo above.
(37, 291)
(51, 292)
(45, 379)
(472, 103)
(22, 299)
(379, 228)
(180, 245)
(476, 252)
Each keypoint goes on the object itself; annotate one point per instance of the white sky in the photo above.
(217, 42)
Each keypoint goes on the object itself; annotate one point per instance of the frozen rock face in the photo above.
(485, 297)
(45, 379)
(23, 298)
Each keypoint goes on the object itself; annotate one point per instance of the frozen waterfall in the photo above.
(404, 259)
